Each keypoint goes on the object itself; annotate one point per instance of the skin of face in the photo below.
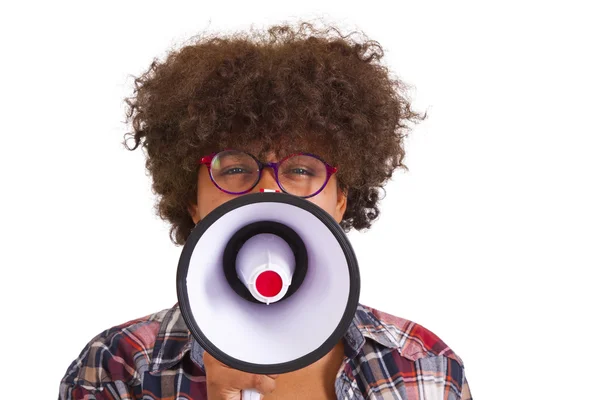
(209, 197)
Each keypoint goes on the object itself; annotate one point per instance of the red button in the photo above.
(269, 283)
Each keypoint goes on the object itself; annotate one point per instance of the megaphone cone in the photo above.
(268, 283)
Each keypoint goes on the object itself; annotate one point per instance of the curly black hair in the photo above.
(289, 85)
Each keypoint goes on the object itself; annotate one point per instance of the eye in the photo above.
(301, 171)
(234, 171)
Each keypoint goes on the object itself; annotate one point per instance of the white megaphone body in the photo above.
(268, 283)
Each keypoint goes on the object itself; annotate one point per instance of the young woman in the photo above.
(260, 97)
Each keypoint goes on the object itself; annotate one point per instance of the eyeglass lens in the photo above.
(236, 172)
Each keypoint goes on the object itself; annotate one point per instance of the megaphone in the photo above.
(268, 283)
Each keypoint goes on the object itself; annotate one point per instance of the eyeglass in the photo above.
(237, 172)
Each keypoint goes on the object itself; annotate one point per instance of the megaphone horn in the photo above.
(268, 283)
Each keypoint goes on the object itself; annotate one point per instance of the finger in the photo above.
(261, 383)
(233, 378)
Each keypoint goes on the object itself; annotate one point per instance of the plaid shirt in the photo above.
(155, 357)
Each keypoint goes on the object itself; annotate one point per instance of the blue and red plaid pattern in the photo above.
(155, 357)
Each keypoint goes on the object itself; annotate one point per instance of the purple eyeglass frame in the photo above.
(207, 160)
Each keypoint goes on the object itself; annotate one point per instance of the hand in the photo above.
(226, 383)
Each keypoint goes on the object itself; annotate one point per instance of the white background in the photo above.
(491, 240)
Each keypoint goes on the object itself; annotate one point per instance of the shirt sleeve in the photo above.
(109, 391)
(466, 391)
(108, 367)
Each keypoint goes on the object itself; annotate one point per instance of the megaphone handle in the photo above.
(250, 394)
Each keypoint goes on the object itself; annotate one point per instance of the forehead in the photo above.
(281, 148)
